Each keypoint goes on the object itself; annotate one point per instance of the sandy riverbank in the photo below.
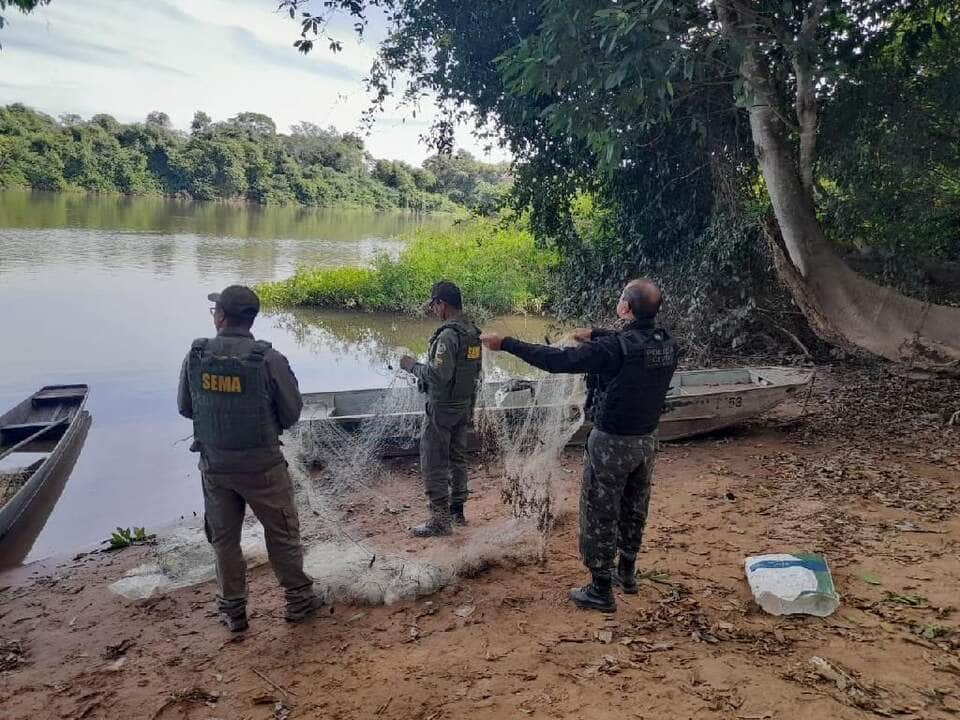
(869, 476)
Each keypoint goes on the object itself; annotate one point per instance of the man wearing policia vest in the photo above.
(449, 377)
(628, 376)
(241, 394)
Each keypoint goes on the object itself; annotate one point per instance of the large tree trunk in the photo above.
(843, 307)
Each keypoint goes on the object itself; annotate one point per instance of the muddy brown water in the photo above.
(110, 292)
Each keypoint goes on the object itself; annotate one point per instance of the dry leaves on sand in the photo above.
(847, 686)
(12, 654)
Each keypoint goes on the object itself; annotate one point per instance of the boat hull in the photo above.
(55, 448)
(699, 402)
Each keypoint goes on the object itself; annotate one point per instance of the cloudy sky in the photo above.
(127, 58)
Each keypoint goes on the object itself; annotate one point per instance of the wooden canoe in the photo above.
(699, 402)
(35, 437)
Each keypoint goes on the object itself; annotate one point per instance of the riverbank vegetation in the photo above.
(240, 159)
(497, 265)
(785, 169)
(790, 171)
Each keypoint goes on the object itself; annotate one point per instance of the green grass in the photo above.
(498, 267)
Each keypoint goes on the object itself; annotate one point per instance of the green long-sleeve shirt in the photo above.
(436, 374)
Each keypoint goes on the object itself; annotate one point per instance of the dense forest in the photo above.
(243, 158)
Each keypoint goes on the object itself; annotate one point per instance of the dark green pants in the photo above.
(270, 496)
(614, 496)
(443, 457)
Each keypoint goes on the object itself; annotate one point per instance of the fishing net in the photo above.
(528, 424)
(336, 456)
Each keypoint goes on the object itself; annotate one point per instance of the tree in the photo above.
(890, 159)
(255, 126)
(311, 144)
(105, 121)
(234, 160)
(600, 75)
(201, 123)
(462, 178)
(159, 119)
(783, 60)
(23, 6)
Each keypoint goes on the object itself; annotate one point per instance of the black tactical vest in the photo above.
(462, 389)
(232, 407)
(630, 403)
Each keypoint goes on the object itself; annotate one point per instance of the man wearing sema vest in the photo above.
(241, 394)
(628, 376)
(449, 378)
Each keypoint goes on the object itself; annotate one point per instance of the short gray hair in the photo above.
(643, 296)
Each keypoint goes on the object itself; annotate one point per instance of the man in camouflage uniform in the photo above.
(241, 394)
(629, 373)
(449, 377)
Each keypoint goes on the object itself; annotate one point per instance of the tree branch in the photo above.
(803, 58)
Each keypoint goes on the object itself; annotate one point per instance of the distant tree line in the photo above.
(243, 158)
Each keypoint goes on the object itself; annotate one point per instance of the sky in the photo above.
(128, 57)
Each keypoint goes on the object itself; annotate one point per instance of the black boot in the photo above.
(437, 525)
(300, 611)
(235, 621)
(625, 575)
(456, 514)
(598, 595)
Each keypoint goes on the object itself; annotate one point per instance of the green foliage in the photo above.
(243, 158)
(891, 159)
(642, 105)
(497, 266)
(125, 537)
(482, 187)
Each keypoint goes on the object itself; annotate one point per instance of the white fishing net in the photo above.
(342, 456)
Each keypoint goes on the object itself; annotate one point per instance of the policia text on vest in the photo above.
(628, 376)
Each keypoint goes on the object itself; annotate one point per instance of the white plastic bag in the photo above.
(792, 584)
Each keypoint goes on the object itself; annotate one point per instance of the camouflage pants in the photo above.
(614, 496)
(443, 457)
(270, 496)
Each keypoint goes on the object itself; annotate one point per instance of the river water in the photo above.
(111, 291)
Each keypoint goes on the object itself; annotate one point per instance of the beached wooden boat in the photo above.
(35, 438)
(699, 402)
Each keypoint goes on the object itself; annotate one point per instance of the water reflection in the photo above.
(111, 291)
(377, 340)
(42, 210)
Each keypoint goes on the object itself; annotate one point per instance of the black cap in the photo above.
(445, 291)
(237, 301)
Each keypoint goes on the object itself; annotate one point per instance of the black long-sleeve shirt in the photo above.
(601, 356)
(636, 405)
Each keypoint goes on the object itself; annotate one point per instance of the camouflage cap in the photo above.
(237, 301)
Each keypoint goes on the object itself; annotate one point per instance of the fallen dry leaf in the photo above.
(604, 636)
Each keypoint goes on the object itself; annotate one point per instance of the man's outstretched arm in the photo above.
(600, 356)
